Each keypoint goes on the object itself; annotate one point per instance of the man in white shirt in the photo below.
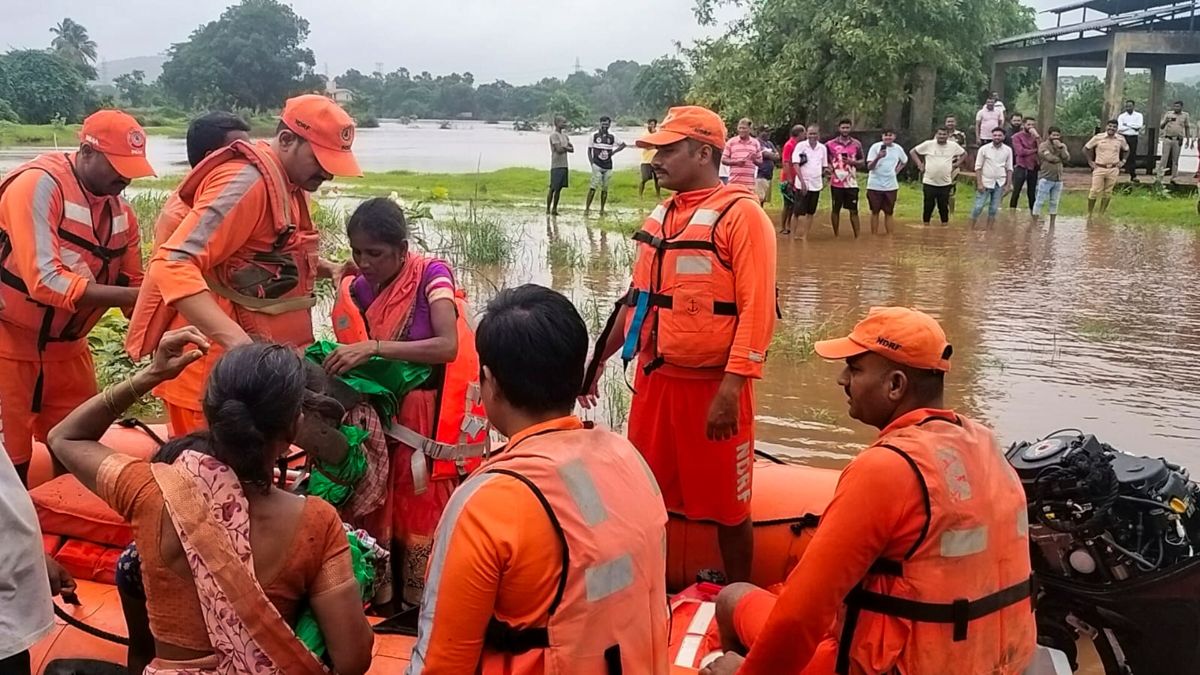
(811, 163)
(28, 577)
(938, 159)
(1130, 125)
(993, 174)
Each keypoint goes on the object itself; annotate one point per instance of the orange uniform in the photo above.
(937, 553)
(231, 217)
(584, 568)
(706, 275)
(57, 239)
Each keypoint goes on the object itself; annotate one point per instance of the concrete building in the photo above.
(1109, 34)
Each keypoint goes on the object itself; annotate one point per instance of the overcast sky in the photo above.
(519, 41)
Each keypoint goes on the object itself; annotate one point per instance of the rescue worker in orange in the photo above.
(921, 561)
(405, 306)
(69, 250)
(698, 318)
(550, 557)
(205, 135)
(243, 261)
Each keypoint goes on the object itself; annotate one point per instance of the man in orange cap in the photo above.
(921, 560)
(69, 250)
(698, 317)
(243, 262)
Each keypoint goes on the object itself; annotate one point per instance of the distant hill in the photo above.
(111, 70)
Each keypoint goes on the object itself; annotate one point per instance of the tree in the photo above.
(851, 58)
(251, 57)
(71, 42)
(133, 89)
(42, 85)
(564, 103)
(662, 84)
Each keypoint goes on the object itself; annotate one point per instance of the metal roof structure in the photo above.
(1109, 7)
(1148, 15)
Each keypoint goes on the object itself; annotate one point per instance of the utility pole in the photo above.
(578, 67)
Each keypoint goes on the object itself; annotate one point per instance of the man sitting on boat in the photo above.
(922, 557)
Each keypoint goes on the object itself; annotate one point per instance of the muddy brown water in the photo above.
(1085, 326)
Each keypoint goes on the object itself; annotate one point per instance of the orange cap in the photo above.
(121, 140)
(900, 334)
(327, 128)
(687, 121)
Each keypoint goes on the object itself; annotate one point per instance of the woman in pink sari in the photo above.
(407, 301)
(228, 560)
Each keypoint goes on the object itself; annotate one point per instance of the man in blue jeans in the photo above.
(1052, 155)
(993, 174)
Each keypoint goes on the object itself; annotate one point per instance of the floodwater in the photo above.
(465, 147)
(1084, 326)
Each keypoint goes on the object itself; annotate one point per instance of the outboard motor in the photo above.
(1115, 545)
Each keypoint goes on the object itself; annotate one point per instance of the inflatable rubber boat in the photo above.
(87, 537)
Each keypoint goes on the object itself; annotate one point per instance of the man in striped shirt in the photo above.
(743, 154)
(600, 151)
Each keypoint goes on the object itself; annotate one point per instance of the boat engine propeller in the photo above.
(1114, 543)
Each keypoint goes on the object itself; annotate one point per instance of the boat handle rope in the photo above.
(90, 630)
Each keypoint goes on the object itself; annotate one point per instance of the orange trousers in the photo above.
(65, 385)
(182, 421)
(749, 617)
(699, 478)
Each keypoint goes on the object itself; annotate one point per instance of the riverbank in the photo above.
(66, 135)
(524, 186)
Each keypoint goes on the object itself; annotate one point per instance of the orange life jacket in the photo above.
(276, 306)
(460, 438)
(609, 614)
(80, 250)
(962, 593)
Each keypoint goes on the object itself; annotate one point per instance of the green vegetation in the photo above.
(113, 365)
(475, 238)
(146, 206)
(1097, 330)
(795, 342)
(563, 254)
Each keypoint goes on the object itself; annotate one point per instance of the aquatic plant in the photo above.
(563, 254)
(477, 239)
(113, 364)
(1097, 330)
(795, 342)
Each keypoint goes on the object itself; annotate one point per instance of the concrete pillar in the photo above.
(1048, 98)
(893, 106)
(1114, 79)
(1154, 112)
(999, 70)
(924, 82)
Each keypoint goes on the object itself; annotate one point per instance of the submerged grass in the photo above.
(1097, 330)
(795, 342)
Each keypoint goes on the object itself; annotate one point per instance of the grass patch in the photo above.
(146, 206)
(113, 365)
(819, 415)
(475, 238)
(795, 343)
(67, 135)
(1097, 330)
(563, 254)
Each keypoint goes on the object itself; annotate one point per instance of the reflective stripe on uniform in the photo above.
(705, 217)
(73, 260)
(1022, 523)
(437, 561)
(214, 214)
(649, 475)
(696, 630)
(658, 214)
(77, 212)
(608, 578)
(693, 264)
(120, 223)
(49, 274)
(583, 491)
(962, 543)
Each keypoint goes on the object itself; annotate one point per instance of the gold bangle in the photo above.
(107, 396)
(377, 348)
(132, 389)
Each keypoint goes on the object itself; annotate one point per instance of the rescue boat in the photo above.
(87, 537)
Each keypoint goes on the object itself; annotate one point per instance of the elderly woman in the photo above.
(216, 538)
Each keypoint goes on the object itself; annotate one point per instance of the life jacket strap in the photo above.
(435, 450)
(267, 306)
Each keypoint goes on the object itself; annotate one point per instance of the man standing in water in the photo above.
(646, 168)
(1053, 154)
(845, 157)
(993, 175)
(1106, 155)
(560, 173)
(766, 171)
(1176, 129)
(600, 152)
(1025, 160)
(884, 161)
(957, 136)
(810, 162)
(927, 530)
(1130, 124)
(698, 317)
(937, 159)
(787, 178)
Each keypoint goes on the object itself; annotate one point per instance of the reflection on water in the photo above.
(1080, 326)
(419, 146)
